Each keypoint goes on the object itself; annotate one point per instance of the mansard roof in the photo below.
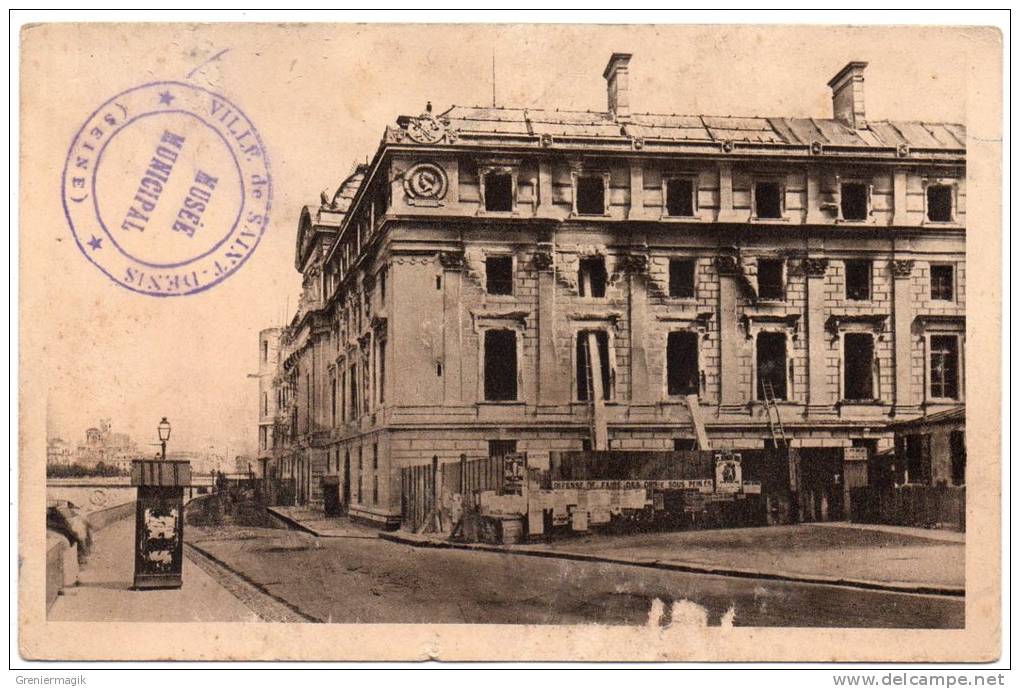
(523, 126)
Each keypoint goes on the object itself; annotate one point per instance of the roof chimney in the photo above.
(617, 87)
(848, 95)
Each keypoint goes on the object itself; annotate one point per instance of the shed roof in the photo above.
(948, 416)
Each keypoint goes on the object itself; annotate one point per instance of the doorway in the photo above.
(821, 484)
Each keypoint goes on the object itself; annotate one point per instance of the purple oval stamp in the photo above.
(167, 188)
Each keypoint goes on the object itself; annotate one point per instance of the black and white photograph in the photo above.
(380, 341)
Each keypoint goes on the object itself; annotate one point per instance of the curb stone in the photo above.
(301, 526)
(289, 612)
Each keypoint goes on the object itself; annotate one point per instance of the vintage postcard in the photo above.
(509, 342)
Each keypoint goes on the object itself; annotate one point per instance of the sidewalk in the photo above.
(318, 524)
(104, 593)
(917, 532)
(891, 559)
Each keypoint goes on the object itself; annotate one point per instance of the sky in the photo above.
(321, 96)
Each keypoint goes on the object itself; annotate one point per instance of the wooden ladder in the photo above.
(771, 409)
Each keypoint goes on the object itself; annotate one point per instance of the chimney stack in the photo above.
(848, 95)
(617, 86)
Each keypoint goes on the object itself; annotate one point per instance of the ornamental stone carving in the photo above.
(451, 260)
(542, 260)
(633, 264)
(429, 129)
(901, 268)
(814, 267)
(425, 184)
(727, 265)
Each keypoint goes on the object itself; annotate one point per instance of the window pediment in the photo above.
(837, 322)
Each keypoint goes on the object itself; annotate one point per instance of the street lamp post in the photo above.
(164, 434)
(159, 517)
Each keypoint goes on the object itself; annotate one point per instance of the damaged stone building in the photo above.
(499, 279)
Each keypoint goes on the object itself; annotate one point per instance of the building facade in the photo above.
(501, 279)
(269, 359)
(59, 452)
(103, 446)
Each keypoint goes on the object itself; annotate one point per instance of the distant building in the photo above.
(59, 452)
(269, 358)
(526, 279)
(104, 446)
(243, 464)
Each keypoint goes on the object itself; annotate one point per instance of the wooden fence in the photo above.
(423, 485)
(417, 494)
(771, 468)
(911, 505)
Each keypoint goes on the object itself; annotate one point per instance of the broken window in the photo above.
(945, 362)
(375, 473)
(343, 407)
(499, 274)
(681, 278)
(680, 197)
(366, 383)
(382, 371)
(265, 350)
(332, 406)
(771, 283)
(592, 276)
(591, 195)
(918, 459)
(853, 200)
(353, 378)
(309, 401)
(858, 366)
(585, 365)
(500, 365)
(858, 280)
(958, 456)
(942, 282)
(940, 203)
(501, 448)
(682, 376)
(684, 444)
(768, 202)
(499, 192)
(771, 360)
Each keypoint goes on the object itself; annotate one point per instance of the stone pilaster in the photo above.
(636, 267)
(552, 389)
(636, 209)
(731, 393)
(819, 392)
(545, 189)
(901, 271)
(453, 271)
(726, 212)
(900, 197)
